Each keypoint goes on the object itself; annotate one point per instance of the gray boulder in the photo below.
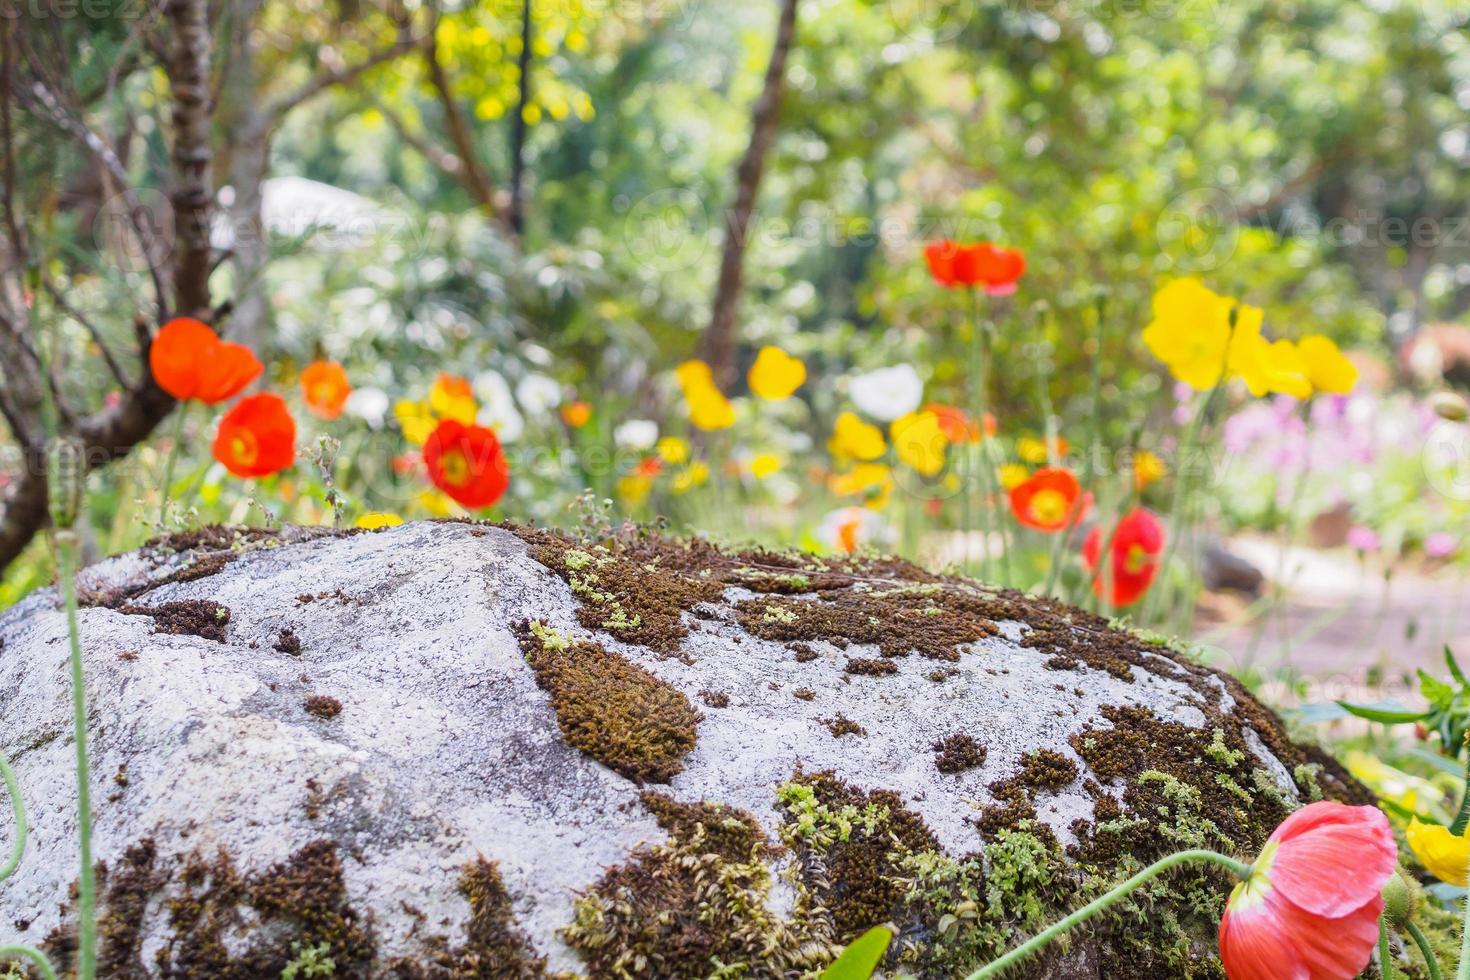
(460, 750)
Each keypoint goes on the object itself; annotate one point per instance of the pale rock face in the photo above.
(446, 748)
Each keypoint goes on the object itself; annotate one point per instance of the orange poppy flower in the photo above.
(325, 387)
(189, 361)
(1137, 543)
(957, 426)
(257, 437)
(941, 258)
(576, 414)
(981, 264)
(1050, 500)
(467, 463)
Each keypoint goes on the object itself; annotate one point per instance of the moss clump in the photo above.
(696, 906)
(612, 709)
(1041, 771)
(842, 725)
(185, 617)
(125, 889)
(852, 845)
(714, 699)
(299, 903)
(323, 706)
(494, 948)
(958, 753)
(870, 666)
(898, 621)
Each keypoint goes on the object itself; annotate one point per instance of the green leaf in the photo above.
(1387, 713)
(1454, 666)
(1438, 762)
(1435, 691)
(1316, 713)
(861, 957)
(1398, 809)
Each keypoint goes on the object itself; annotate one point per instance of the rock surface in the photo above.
(383, 748)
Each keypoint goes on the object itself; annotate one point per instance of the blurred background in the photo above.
(532, 213)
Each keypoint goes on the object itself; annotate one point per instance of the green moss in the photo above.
(612, 709)
(697, 906)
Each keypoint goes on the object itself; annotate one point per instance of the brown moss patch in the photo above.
(898, 621)
(612, 709)
(958, 753)
(323, 706)
(1040, 772)
(186, 617)
(124, 890)
(804, 693)
(300, 902)
(870, 666)
(494, 947)
(843, 725)
(696, 906)
(288, 642)
(715, 699)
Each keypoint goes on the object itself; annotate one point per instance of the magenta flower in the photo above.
(1363, 539)
(1441, 545)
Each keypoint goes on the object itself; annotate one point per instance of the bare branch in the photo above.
(112, 362)
(191, 193)
(338, 75)
(476, 180)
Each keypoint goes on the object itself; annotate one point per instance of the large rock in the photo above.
(455, 750)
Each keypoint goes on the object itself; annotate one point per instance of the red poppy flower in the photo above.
(325, 387)
(993, 268)
(1310, 908)
(188, 360)
(467, 463)
(1049, 500)
(257, 437)
(941, 257)
(1137, 543)
(649, 466)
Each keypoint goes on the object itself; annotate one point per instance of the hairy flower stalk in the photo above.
(1036, 943)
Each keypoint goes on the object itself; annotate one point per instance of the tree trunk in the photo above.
(191, 191)
(719, 338)
(472, 175)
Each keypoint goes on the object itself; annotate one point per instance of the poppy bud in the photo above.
(1450, 406)
(1400, 899)
(66, 480)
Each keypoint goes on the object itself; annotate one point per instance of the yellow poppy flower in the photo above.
(416, 419)
(1271, 368)
(436, 503)
(693, 374)
(708, 409)
(1327, 367)
(919, 441)
(1147, 468)
(1445, 855)
(852, 438)
(1408, 791)
(1012, 475)
(1191, 332)
(374, 520)
(763, 465)
(633, 489)
(775, 375)
(871, 480)
(452, 398)
(693, 475)
(673, 450)
(1034, 451)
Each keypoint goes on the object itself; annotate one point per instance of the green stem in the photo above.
(1385, 954)
(1462, 818)
(979, 385)
(173, 458)
(1431, 962)
(34, 955)
(18, 808)
(1077, 918)
(66, 542)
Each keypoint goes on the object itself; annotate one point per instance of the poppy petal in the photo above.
(1309, 868)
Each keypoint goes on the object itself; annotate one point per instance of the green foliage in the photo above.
(310, 962)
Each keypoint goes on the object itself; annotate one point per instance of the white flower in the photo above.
(849, 528)
(497, 408)
(368, 404)
(888, 393)
(636, 434)
(538, 394)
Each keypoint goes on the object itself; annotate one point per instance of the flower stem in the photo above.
(1431, 962)
(1077, 918)
(34, 955)
(1385, 954)
(173, 458)
(979, 385)
(18, 808)
(66, 544)
(1463, 973)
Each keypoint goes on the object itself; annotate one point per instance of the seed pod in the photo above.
(66, 480)
(1450, 405)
